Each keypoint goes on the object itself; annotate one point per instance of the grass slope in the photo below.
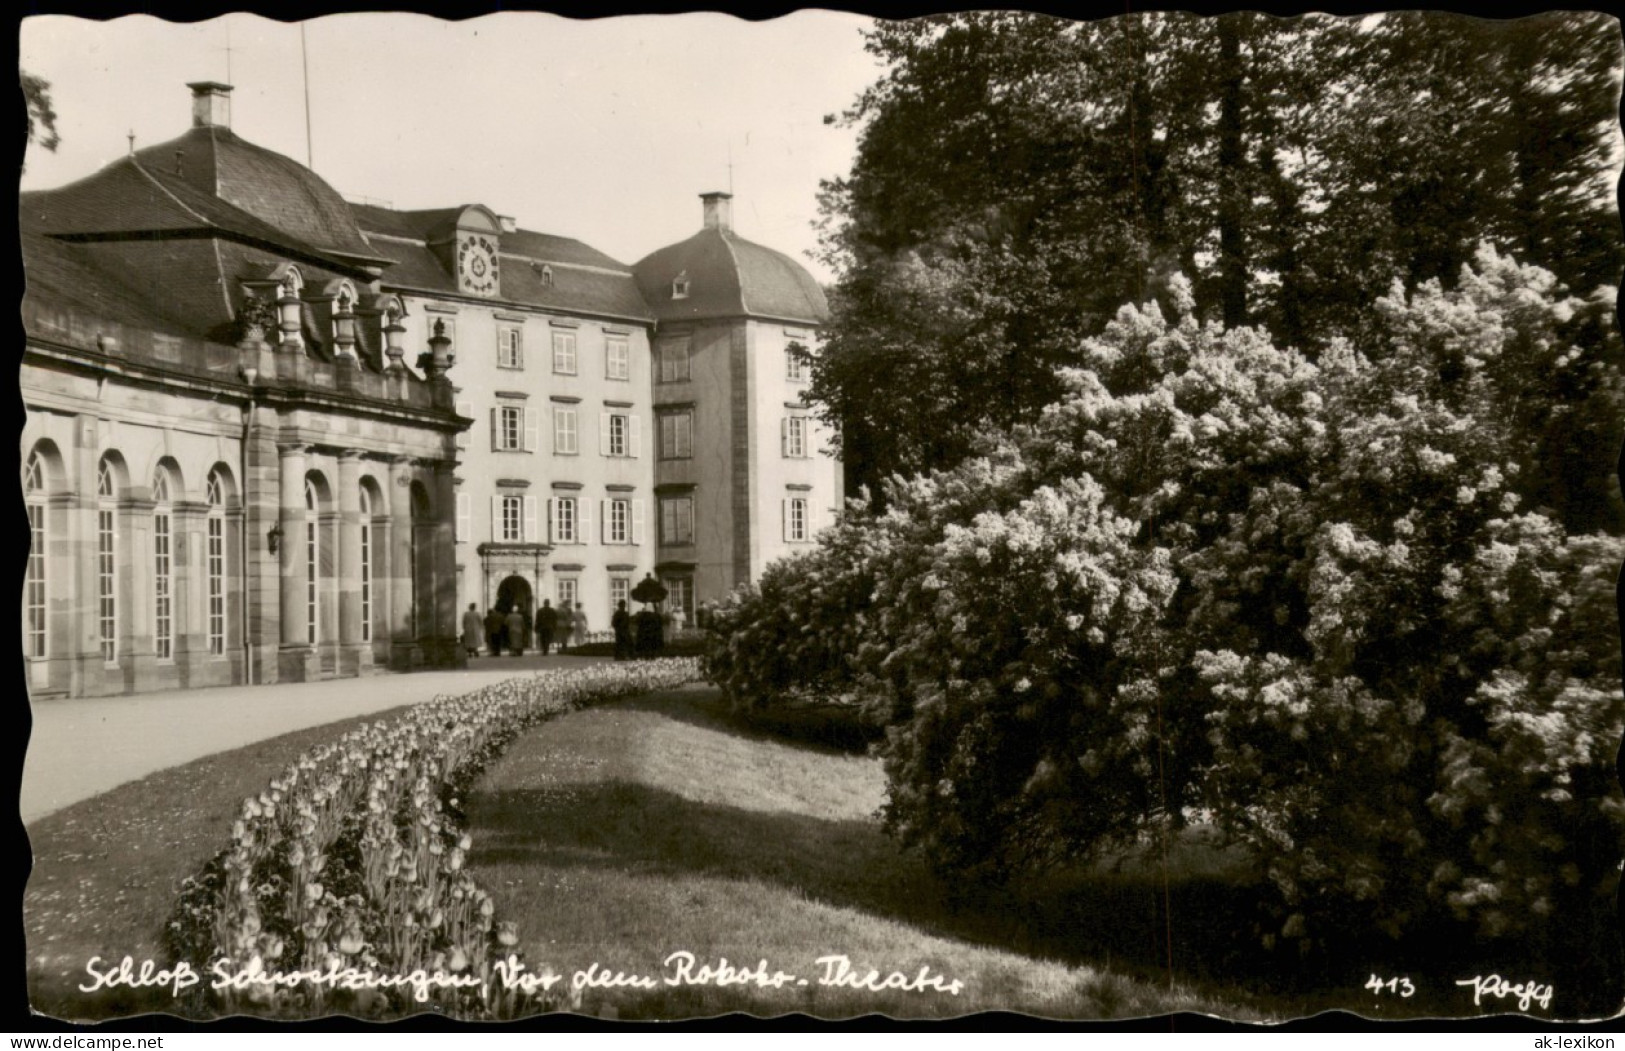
(620, 835)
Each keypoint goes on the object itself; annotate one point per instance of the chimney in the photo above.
(211, 104)
(719, 211)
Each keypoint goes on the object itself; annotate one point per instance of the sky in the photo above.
(604, 130)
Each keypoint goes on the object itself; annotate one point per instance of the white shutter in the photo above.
(583, 520)
(496, 428)
(496, 518)
(603, 521)
(552, 520)
(603, 434)
(531, 535)
(464, 408)
(784, 519)
(533, 429)
(465, 516)
(784, 436)
(632, 436)
(637, 521)
(558, 439)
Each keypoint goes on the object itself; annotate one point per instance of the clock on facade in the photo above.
(477, 266)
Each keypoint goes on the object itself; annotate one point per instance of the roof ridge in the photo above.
(739, 277)
(167, 192)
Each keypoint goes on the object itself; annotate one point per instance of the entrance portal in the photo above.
(514, 594)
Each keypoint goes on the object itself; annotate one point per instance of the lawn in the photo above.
(636, 830)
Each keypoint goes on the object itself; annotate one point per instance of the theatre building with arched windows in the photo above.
(230, 473)
(275, 436)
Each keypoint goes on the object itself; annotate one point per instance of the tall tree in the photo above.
(41, 117)
(1019, 177)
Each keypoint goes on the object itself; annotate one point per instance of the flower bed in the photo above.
(343, 886)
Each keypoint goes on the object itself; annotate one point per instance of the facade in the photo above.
(743, 474)
(275, 436)
(552, 363)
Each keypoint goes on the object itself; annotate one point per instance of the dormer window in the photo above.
(679, 286)
(547, 277)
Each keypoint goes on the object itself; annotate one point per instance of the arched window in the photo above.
(34, 590)
(313, 553)
(343, 304)
(215, 559)
(107, 559)
(163, 614)
(293, 283)
(366, 565)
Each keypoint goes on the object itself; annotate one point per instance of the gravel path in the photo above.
(84, 747)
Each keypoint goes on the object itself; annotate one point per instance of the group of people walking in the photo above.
(511, 631)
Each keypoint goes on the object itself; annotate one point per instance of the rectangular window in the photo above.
(515, 428)
(795, 519)
(674, 361)
(508, 428)
(564, 353)
(618, 434)
(677, 520)
(680, 598)
(36, 580)
(795, 363)
(620, 590)
(564, 430)
(163, 624)
(567, 593)
(513, 520)
(366, 578)
(510, 349)
(217, 583)
(617, 358)
(313, 609)
(793, 435)
(564, 520)
(676, 435)
(617, 521)
(107, 581)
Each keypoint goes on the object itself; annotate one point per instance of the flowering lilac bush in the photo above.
(1353, 611)
(354, 858)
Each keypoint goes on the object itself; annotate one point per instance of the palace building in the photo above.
(272, 435)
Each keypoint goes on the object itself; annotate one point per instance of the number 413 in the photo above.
(1402, 986)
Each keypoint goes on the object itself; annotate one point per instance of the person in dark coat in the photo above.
(547, 619)
(516, 633)
(494, 627)
(473, 628)
(622, 623)
(524, 637)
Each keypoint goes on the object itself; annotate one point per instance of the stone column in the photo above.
(84, 648)
(352, 652)
(402, 628)
(297, 660)
(189, 591)
(445, 560)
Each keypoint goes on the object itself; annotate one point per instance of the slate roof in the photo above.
(729, 276)
(273, 188)
(58, 272)
(584, 280)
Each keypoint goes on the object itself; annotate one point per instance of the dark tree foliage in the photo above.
(41, 117)
(1019, 177)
